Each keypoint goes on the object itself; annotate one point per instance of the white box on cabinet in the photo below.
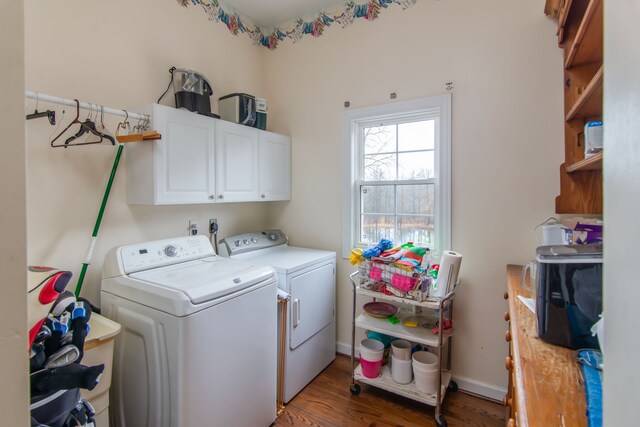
(178, 168)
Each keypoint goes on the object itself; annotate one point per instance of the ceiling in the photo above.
(271, 13)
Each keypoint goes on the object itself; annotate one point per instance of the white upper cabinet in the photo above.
(275, 166)
(237, 162)
(204, 160)
(177, 169)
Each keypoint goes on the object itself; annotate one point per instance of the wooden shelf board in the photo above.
(592, 163)
(587, 46)
(590, 102)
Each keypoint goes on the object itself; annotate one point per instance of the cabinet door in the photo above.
(237, 162)
(184, 157)
(275, 166)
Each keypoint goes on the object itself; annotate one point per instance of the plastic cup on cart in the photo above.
(401, 349)
(371, 350)
(371, 369)
(401, 371)
(426, 371)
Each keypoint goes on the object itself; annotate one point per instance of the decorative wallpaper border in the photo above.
(345, 14)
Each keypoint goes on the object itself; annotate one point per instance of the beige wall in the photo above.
(507, 141)
(621, 205)
(118, 53)
(13, 252)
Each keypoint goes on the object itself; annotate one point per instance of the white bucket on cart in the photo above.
(426, 371)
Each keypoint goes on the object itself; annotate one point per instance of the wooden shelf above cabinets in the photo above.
(587, 45)
(589, 104)
(589, 164)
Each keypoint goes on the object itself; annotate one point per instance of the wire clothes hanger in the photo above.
(49, 114)
(86, 127)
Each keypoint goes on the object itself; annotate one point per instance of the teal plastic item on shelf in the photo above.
(384, 339)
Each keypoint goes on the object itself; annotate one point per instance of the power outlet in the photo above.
(193, 228)
(213, 225)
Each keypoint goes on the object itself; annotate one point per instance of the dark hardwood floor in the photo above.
(327, 402)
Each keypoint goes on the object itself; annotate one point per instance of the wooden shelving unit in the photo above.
(580, 32)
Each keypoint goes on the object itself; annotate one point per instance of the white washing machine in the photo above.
(198, 340)
(309, 277)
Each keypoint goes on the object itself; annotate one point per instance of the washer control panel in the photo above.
(246, 242)
(159, 253)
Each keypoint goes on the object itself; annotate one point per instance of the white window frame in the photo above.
(439, 105)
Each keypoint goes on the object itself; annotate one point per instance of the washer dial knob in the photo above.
(272, 236)
(171, 251)
(254, 240)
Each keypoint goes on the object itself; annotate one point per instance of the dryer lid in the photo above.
(286, 259)
(205, 279)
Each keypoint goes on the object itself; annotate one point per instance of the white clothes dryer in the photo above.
(309, 277)
(198, 340)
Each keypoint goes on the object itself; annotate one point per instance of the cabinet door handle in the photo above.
(506, 295)
(508, 363)
(511, 423)
(507, 401)
(263, 196)
(507, 316)
(507, 336)
(221, 196)
(211, 197)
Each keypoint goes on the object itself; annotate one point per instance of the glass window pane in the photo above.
(416, 136)
(416, 165)
(375, 227)
(379, 139)
(416, 229)
(377, 199)
(380, 167)
(416, 199)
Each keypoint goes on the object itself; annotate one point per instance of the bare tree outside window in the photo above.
(397, 201)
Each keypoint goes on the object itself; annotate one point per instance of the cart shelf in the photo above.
(382, 325)
(384, 381)
(432, 303)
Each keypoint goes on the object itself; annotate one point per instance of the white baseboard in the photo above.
(343, 348)
(490, 391)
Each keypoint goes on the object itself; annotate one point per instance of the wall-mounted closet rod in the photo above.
(85, 105)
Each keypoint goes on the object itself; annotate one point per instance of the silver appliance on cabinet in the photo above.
(309, 277)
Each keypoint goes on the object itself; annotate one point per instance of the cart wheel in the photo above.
(355, 389)
(453, 386)
(440, 421)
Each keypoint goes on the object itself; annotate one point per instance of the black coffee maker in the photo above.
(192, 91)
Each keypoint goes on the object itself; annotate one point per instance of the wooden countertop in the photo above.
(548, 381)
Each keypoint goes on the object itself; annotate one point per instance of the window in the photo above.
(398, 174)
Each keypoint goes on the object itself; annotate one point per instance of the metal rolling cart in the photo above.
(413, 304)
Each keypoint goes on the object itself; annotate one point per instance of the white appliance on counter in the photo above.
(198, 341)
(309, 277)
